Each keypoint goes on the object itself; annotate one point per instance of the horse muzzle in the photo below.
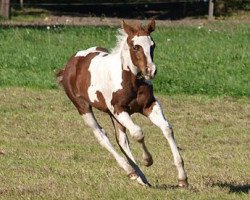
(150, 72)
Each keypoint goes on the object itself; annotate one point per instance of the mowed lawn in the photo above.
(210, 59)
(46, 151)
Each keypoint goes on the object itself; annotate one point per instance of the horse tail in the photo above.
(59, 75)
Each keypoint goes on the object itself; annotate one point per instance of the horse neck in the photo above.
(121, 53)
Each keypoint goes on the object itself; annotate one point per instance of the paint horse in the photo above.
(118, 83)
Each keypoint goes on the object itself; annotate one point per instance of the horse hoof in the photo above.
(143, 183)
(147, 161)
(183, 183)
(133, 176)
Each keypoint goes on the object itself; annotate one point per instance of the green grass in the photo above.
(46, 152)
(208, 60)
(213, 59)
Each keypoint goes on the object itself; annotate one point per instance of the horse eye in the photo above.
(136, 48)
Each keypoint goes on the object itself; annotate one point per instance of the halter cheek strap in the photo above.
(139, 76)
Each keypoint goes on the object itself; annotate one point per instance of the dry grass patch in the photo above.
(46, 152)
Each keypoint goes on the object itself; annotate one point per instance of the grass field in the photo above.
(46, 152)
(212, 59)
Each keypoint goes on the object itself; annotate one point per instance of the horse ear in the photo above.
(127, 28)
(151, 26)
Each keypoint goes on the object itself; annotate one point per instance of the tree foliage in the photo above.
(223, 7)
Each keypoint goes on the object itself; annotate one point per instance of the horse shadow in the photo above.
(165, 187)
(234, 188)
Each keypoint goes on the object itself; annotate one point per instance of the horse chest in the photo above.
(135, 96)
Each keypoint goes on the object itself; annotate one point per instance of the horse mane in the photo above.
(121, 38)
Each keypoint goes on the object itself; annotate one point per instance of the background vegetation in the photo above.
(140, 9)
(191, 60)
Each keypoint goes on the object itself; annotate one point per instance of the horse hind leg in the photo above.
(85, 111)
(101, 136)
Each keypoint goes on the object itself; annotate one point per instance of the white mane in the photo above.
(121, 38)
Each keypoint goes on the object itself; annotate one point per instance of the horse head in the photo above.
(141, 48)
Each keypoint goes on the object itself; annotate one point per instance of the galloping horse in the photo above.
(118, 83)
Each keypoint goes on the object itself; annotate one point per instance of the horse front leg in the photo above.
(155, 114)
(136, 132)
(125, 120)
(123, 142)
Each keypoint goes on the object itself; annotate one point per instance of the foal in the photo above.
(118, 83)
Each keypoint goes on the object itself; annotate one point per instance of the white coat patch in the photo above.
(145, 42)
(86, 52)
(106, 77)
(106, 74)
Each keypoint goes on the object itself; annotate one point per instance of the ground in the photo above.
(46, 152)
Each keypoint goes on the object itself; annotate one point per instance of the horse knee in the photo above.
(138, 134)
